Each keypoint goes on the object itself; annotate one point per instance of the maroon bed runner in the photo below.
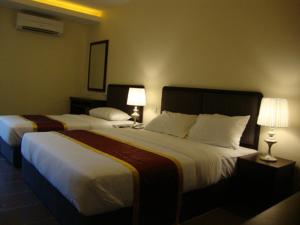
(44, 123)
(157, 197)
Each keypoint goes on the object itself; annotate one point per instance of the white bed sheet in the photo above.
(12, 127)
(95, 184)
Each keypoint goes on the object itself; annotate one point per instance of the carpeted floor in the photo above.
(19, 205)
(217, 216)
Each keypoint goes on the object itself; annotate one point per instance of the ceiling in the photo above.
(100, 3)
(58, 8)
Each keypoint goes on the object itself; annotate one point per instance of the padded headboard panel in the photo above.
(209, 101)
(117, 98)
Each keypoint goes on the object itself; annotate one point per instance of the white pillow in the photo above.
(220, 130)
(109, 113)
(176, 124)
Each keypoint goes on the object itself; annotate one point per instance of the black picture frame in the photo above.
(101, 87)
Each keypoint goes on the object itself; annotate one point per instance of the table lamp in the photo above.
(136, 97)
(273, 113)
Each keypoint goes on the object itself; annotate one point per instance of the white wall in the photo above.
(241, 45)
(38, 72)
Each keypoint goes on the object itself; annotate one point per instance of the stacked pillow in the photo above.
(220, 130)
(108, 113)
(176, 124)
(214, 129)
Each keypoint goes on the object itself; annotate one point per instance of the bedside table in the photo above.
(265, 182)
(83, 105)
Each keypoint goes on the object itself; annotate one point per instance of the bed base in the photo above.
(12, 154)
(193, 203)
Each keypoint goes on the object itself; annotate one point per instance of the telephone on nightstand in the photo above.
(138, 126)
(122, 126)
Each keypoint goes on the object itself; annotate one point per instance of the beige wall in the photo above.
(38, 73)
(241, 45)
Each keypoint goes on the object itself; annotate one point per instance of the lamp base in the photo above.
(270, 140)
(268, 158)
(135, 115)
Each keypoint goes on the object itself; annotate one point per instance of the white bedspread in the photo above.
(12, 128)
(95, 184)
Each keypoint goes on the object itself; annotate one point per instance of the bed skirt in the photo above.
(12, 154)
(193, 203)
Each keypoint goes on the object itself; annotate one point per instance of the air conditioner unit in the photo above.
(39, 24)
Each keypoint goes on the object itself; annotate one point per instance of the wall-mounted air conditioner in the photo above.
(39, 24)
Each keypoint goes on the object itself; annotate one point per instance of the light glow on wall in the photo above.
(71, 6)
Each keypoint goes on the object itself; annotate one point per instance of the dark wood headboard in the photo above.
(117, 98)
(209, 101)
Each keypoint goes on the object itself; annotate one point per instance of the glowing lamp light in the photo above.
(273, 113)
(71, 6)
(136, 97)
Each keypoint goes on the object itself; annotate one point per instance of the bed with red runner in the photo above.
(157, 179)
(13, 127)
(113, 180)
(42, 123)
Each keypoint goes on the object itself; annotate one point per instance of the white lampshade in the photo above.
(273, 112)
(136, 97)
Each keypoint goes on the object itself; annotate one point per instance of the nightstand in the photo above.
(83, 105)
(264, 182)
